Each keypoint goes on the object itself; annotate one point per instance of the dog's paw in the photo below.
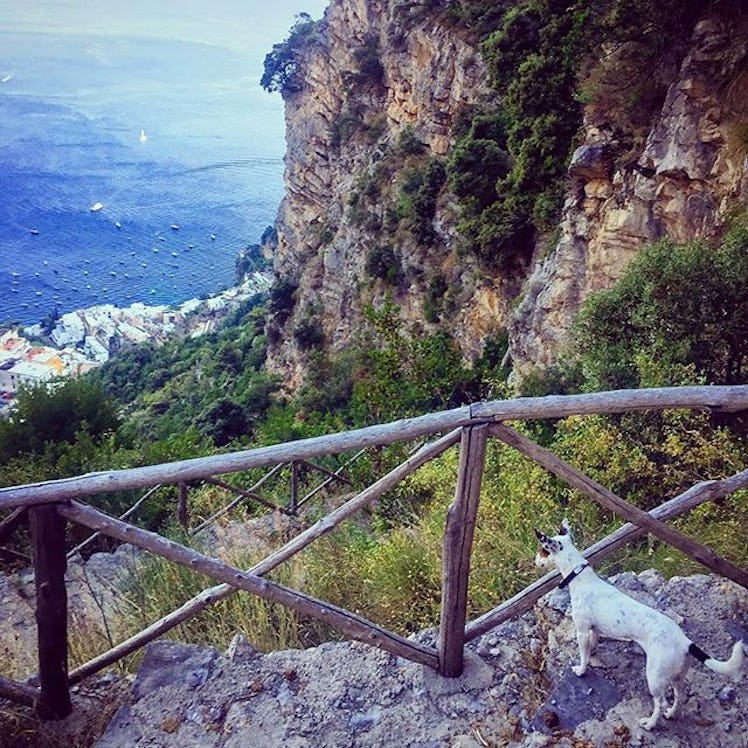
(579, 670)
(670, 712)
(647, 723)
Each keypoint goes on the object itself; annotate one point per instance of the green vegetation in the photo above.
(549, 62)
(681, 311)
(416, 201)
(46, 418)
(679, 315)
(283, 63)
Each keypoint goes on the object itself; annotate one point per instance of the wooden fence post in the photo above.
(458, 544)
(48, 538)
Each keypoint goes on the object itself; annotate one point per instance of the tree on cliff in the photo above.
(282, 63)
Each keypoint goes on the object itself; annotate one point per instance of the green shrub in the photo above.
(416, 200)
(679, 313)
(49, 415)
(309, 333)
(385, 263)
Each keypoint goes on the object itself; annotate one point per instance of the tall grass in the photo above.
(386, 564)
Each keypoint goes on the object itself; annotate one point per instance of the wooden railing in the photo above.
(50, 504)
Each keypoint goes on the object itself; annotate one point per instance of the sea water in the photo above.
(172, 142)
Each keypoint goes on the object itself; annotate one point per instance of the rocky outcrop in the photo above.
(683, 184)
(517, 688)
(377, 69)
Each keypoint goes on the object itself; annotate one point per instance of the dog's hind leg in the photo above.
(594, 641)
(585, 645)
(672, 710)
(677, 684)
(649, 722)
(658, 680)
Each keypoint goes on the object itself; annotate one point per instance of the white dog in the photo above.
(599, 609)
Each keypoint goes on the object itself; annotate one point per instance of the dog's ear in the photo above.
(540, 536)
(565, 528)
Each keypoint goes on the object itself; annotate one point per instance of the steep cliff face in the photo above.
(345, 156)
(385, 83)
(689, 175)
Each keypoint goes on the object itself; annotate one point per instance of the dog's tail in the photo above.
(724, 667)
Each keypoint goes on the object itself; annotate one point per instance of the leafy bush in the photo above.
(47, 416)
(385, 263)
(369, 70)
(309, 333)
(679, 313)
(416, 201)
(223, 421)
(408, 143)
(282, 299)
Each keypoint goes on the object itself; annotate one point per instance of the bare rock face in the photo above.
(683, 184)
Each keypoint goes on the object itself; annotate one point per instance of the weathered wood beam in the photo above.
(303, 500)
(183, 510)
(334, 474)
(134, 508)
(20, 693)
(11, 523)
(728, 398)
(48, 540)
(458, 546)
(350, 624)
(214, 594)
(238, 500)
(724, 398)
(685, 502)
(589, 487)
(247, 494)
(12, 556)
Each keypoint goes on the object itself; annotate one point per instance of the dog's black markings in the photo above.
(698, 653)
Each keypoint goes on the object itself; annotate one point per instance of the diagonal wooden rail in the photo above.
(50, 503)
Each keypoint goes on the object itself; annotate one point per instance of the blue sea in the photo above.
(175, 140)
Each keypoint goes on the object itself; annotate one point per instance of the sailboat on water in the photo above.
(142, 137)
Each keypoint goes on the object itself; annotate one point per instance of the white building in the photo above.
(14, 374)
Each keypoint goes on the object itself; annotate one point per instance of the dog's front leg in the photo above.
(585, 645)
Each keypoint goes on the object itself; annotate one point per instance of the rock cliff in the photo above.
(682, 183)
(385, 84)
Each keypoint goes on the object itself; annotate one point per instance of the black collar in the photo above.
(567, 580)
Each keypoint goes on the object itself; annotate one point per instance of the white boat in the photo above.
(142, 137)
(96, 207)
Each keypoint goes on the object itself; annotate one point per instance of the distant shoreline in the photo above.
(85, 339)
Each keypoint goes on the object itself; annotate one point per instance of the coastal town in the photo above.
(86, 338)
